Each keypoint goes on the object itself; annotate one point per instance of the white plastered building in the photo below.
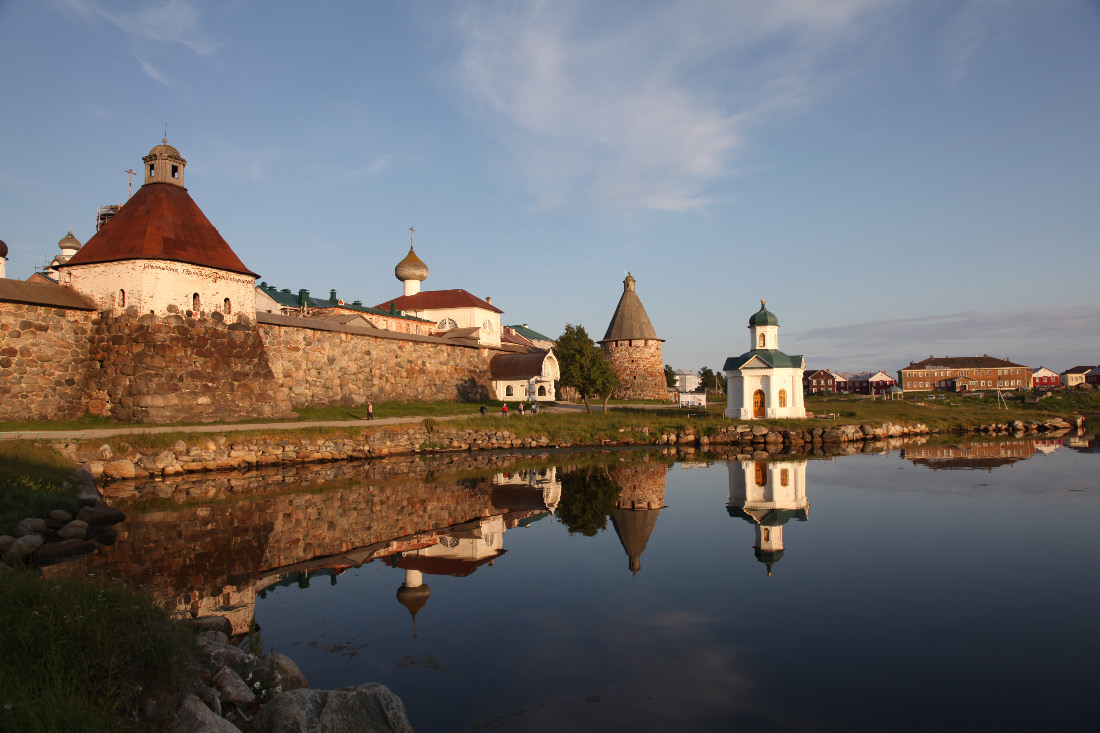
(768, 494)
(160, 251)
(764, 383)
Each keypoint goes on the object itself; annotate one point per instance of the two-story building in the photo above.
(868, 383)
(1075, 376)
(1043, 378)
(822, 381)
(963, 374)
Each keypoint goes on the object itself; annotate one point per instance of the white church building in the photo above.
(764, 383)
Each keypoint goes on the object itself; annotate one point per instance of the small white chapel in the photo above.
(764, 382)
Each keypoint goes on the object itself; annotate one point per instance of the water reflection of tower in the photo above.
(768, 494)
(459, 553)
(640, 502)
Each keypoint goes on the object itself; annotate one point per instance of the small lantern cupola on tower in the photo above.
(164, 164)
(764, 327)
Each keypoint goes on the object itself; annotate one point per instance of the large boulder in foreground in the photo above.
(367, 708)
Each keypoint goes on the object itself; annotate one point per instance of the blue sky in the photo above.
(896, 178)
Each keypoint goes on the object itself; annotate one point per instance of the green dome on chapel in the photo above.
(763, 317)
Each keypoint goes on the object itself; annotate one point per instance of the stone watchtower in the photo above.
(632, 347)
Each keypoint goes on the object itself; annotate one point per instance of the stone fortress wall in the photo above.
(318, 367)
(43, 360)
(58, 363)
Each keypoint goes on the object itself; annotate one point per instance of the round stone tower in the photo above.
(632, 347)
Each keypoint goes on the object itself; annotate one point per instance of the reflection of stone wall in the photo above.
(43, 361)
(206, 559)
(642, 485)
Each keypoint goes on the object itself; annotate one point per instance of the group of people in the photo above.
(522, 409)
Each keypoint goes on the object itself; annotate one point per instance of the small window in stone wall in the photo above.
(227, 306)
(195, 302)
(121, 298)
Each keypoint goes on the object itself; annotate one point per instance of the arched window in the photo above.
(782, 398)
(761, 469)
(195, 302)
(121, 298)
(761, 340)
(542, 391)
(227, 306)
(508, 391)
(446, 324)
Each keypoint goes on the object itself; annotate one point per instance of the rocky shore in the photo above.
(223, 453)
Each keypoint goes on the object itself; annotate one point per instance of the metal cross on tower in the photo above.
(130, 187)
(411, 231)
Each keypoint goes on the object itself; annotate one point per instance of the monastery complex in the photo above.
(156, 319)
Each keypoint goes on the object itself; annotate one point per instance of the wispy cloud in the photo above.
(1051, 335)
(172, 22)
(152, 72)
(647, 104)
(965, 34)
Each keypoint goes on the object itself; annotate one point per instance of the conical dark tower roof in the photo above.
(634, 526)
(630, 321)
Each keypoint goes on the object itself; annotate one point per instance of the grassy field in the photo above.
(31, 474)
(80, 656)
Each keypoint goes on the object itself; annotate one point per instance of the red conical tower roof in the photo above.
(160, 222)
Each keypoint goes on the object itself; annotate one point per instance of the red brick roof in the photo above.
(160, 222)
(436, 299)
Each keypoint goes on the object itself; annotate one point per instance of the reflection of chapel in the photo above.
(768, 494)
(764, 382)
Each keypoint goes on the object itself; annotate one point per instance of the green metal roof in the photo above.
(763, 317)
(293, 300)
(530, 333)
(771, 518)
(772, 357)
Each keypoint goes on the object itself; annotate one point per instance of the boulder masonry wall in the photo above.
(337, 368)
(43, 361)
(181, 367)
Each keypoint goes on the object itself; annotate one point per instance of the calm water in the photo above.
(947, 587)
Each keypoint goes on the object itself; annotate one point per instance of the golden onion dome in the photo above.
(69, 241)
(411, 268)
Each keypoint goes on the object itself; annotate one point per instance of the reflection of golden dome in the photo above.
(411, 268)
(413, 598)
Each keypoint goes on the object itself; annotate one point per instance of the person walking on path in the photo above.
(521, 409)
(483, 410)
(534, 408)
(504, 409)
(370, 410)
